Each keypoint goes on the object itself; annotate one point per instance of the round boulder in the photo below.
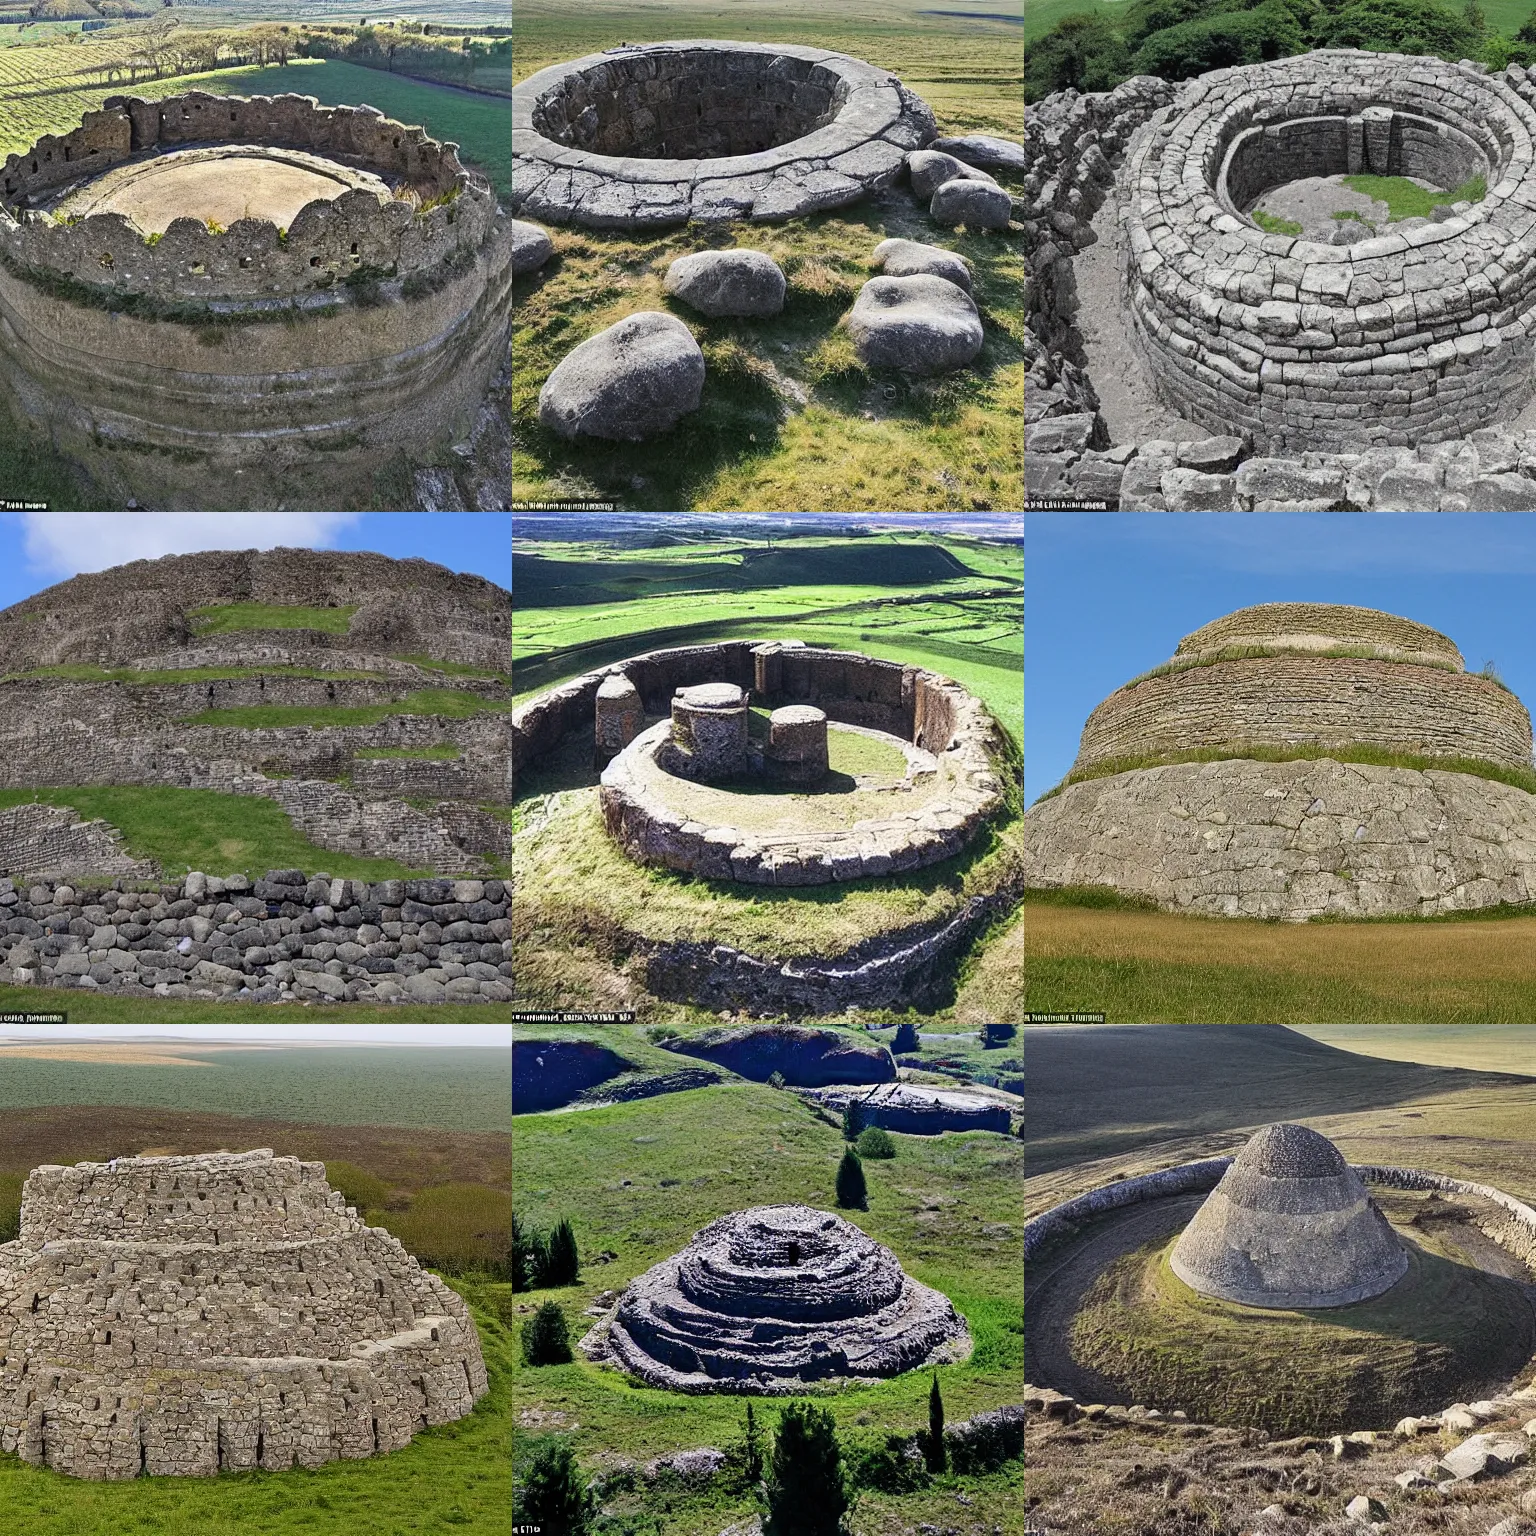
(984, 150)
(920, 324)
(929, 171)
(630, 382)
(717, 283)
(911, 258)
(531, 247)
(972, 203)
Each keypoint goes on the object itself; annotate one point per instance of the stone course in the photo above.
(185, 1316)
(917, 1110)
(286, 937)
(664, 133)
(37, 840)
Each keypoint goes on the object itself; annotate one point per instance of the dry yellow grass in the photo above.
(113, 1055)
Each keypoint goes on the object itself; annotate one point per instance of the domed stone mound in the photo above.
(1323, 626)
(770, 1299)
(188, 1315)
(1289, 1226)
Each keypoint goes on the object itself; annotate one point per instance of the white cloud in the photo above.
(67, 543)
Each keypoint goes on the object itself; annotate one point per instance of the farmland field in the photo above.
(790, 420)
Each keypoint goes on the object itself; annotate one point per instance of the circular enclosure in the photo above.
(664, 133)
(1413, 335)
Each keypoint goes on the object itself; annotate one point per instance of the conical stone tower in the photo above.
(1290, 1225)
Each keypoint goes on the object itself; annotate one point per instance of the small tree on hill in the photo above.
(875, 1142)
(554, 1497)
(562, 1263)
(523, 1269)
(852, 1192)
(547, 1340)
(752, 1449)
(906, 1040)
(935, 1446)
(853, 1120)
(806, 1496)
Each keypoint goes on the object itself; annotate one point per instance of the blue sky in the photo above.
(38, 549)
(1106, 596)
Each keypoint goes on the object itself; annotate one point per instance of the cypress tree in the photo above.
(936, 1457)
(555, 1498)
(562, 1263)
(522, 1268)
(547, 1340)
(806, 1496)
(752, 1449)
(906, 1040)
(852, 1192)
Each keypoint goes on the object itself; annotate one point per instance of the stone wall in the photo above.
(1063, 1220)
(283, 938)
(52, 840)
(1292, 700)
(1316, 626)
(1289, 840)
(203, 1314)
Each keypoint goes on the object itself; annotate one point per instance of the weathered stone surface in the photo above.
(771, 1299)
(1486, 1455)
(1188, 490)
(919, 1111)
(633, 381)
(1211, 455)
(930, 170)
(268, 1326)
(921, 325)
(911, 258)
(735, 282)
(971, 203)
(531, 247)
(1061, 434)
(984, 149)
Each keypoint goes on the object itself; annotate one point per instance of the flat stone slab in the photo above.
(709, 130)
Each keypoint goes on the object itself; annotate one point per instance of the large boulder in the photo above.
(984, 150)
(634, 380)
(929, 171)
(549, 1073)
(972, 203)
(918, 324)
(531, 247)
(804, 1057)
(911, 258)
(739, 282)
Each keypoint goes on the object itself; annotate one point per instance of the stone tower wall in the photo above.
(1312, 626)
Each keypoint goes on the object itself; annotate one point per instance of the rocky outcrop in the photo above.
(805, 1058)
(547, 1074)
(918, 1111)
(985, 1442)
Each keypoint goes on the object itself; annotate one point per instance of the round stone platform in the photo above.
(223, 183)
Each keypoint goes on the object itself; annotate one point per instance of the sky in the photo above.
(1109, 596)
(38, 549)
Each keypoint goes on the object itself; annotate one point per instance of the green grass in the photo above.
(453, 1477)
(186, 829)
(457, 1228)
(83, 672)
(231, 618)
(1271, 224)
(450, 703)
(1406, 199)
(456, 668)
(442, 752)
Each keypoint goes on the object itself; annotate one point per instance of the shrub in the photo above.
(806, 1496)
(750, 1452)
(906, 1040)
(358, 1187)
(562, 1263)
(659, 1032)
(546, 1339)
(1220, 41)
(875, 1142)
(775, 1079)
(853, 1120)
(994, 1035)
(1085, 52)
(1397, 26)
(554, 1498)
(852, 1192)
(984, 1443)
(890, 1464)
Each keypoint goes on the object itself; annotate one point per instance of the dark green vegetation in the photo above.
(947, 1205)
(547, 1339)
(450, 703)
(1445, 1327)
(874, 1142)
(806, 1494)
(852, 1190)
(229, 618)
(1408, 200)
(790, 420)
(553, 1495)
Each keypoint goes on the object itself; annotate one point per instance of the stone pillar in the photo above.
(768, 667)
(620, 718)
(1377, 124)
(709, 731)
(797, 744)
(1354, 155)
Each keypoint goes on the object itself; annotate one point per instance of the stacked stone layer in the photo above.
(1398, 339)
(767, 1300)
(665, 133)
(189, 1315)
(1316, 626)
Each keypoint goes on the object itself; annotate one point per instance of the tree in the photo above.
(806, 1496)
(752, 1449)
(554, 1497)
(853, 1120)
(1270, 31)
(562, 1264)
(1477, 22)
(935, 1446)
(547, 1340)
(522, 1266)
(1083, 51)
(906, 1040)
(852, 1192)
(875, 1142)
(1397, 26)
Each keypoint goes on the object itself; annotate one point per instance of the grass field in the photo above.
(1489, 1048)
(790, 419)
(639, 1179)
(449, 703)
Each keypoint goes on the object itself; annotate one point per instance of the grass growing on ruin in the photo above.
(449, 703)
(991, 989)
(947, 1205)
(1408, 200)
(231, 618)
(186, 829)
(1273, 224)
(81, 672)
(455, 668)
(82, 1007)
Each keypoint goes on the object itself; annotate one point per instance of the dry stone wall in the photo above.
(184, 1316)
(1292, 700)
(282, 938)
(1317, 626)
(51, 839)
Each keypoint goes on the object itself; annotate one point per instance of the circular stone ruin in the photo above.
(770, 1299)
(1409, 336)
(388, 260)
(183, 1316)
(664, 133)
(1242, 835)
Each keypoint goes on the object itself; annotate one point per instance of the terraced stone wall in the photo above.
(40, 839)
(1311, 626)
(1293, 700)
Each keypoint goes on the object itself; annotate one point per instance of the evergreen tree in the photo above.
(935, 1445)
(806, 1496)
(547, 1340)
(554, 1497)
(522, 1265)
(752, 1449)
(906, 1040)
(875, 1142)
(853, 1120)
(852, 1192)
(562, 1264)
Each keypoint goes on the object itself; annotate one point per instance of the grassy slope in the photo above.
(946, 1205)
(228, 618)
(454, 1477)
(791, 421)
(1156, 967)
(450, 703)
(1495, 1048)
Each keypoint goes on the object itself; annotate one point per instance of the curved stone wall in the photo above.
(1318, 626)
(1293, 700)
(665, 133)
(1398, 339)
(1289, 840)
